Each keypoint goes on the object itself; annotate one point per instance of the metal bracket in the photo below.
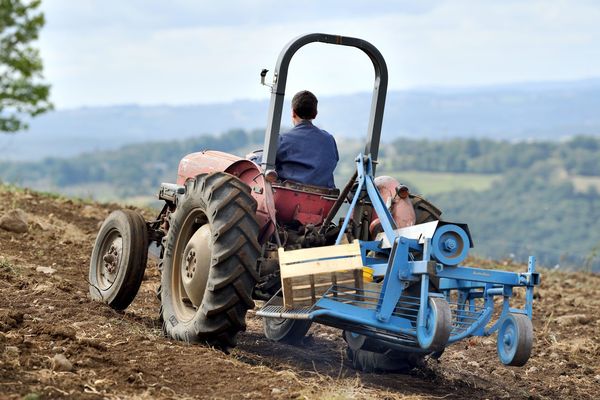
(263, 76)
(170, 192)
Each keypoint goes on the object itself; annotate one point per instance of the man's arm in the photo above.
(282, 149)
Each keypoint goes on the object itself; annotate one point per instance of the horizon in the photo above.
(437, 90)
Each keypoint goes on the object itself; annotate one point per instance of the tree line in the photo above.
(533, 208)
(579, 155)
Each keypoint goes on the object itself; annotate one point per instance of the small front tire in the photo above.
(119, 259)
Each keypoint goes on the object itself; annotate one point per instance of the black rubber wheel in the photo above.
(290, 331)
(221, 205)
(119, 259)
(387, 361)
(283, 330)
(438, 325)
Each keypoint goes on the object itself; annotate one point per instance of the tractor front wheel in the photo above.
(209, 263)
(119, 259)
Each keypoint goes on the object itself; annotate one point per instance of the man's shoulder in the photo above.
(300, 130)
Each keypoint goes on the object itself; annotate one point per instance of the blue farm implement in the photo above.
(419, 299)
(387, 273)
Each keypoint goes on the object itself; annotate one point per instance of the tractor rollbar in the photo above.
(280, 79)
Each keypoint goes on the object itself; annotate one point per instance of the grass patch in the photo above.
(584, 183)
(10, 188)
(428, 183)
(8, 268)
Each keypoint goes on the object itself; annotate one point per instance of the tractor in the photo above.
(386, 272)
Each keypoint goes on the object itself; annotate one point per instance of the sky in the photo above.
(111, 52)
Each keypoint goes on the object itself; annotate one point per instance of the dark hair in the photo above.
(304, 104)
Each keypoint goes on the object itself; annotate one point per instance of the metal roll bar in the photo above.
(280, 80)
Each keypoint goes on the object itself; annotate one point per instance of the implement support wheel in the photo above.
(515, 340)
(438, 325)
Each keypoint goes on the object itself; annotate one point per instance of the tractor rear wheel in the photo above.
(119, 259)
(209, 263)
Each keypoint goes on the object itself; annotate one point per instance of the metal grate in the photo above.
(463, 316)
(274, 311)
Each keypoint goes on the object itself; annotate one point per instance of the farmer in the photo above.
(306, 154)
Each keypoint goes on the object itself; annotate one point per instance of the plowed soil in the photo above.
(47, 311)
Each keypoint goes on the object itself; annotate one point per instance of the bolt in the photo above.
(450, 244)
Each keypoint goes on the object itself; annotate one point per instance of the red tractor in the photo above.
(226, 217)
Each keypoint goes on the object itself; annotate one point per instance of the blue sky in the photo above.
(105, 52)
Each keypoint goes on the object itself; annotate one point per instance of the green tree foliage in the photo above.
(22, 91)
(578, 156)
(534, 207)
(133, 170)
(533, 212)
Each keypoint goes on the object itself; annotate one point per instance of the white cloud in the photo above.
(107, 52)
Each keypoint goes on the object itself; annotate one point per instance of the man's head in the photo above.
(304, 106)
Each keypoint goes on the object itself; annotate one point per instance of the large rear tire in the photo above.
(119, 259)
(213, 234)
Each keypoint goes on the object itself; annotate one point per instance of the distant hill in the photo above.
(550, 110)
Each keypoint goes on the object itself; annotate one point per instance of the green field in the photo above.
(429, 183)
(585, 183)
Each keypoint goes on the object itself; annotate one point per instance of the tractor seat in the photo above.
(306, 204)
(322, 190)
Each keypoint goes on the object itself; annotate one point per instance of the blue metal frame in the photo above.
(390, 310)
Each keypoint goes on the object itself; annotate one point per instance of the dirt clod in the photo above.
(14, 221)
(10, 319)
(46, 270)
(573, 319)
(61, 363)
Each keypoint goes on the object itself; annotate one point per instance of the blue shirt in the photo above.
(308, 155)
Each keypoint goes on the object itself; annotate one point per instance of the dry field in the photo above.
(56, 343)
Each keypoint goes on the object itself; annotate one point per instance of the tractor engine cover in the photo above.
(395, 196)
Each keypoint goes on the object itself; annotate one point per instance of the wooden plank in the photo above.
(288, 293)
(320, 267)
(308, 273)
(312, 289)
(324, 252)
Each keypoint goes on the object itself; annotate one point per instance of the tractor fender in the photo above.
(251, 174)
(246, 171)
(204, 162)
